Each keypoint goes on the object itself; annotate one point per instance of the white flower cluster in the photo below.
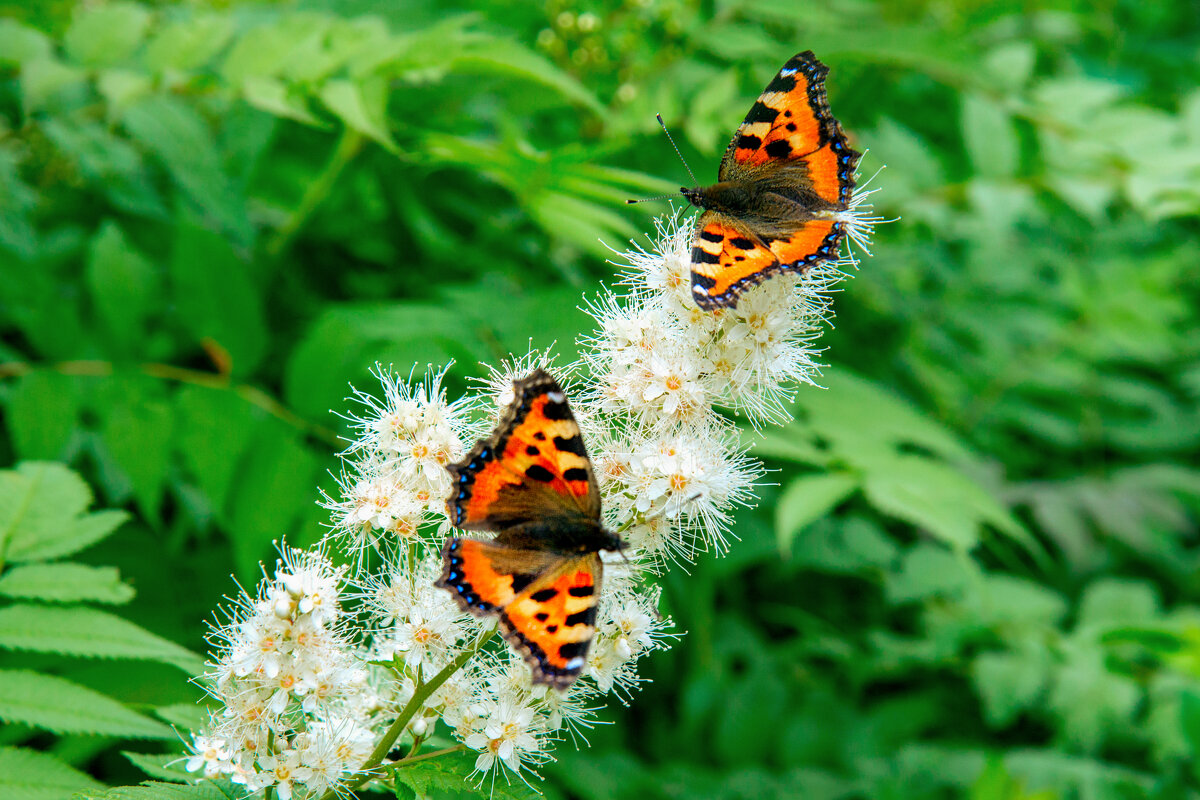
(296, 706)
(305, 702)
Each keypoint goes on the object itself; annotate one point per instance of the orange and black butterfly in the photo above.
(783, 180)
(531, 482)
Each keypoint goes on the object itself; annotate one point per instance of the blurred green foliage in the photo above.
(215, 215)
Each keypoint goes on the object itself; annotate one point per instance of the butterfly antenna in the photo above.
(663, 125)
(646, 199)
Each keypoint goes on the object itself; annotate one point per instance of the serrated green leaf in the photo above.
(184, 716)
(1114, 602)
(168, 767)
(66, 583)
(40, 507)
(68, 538)
(1091, 703)
(189, 43)
(451, 773)
(362, 106)
(88, 633)
(206, 790)
(60, 706)
(43, 414)
(215, 297)
(107, 34)
(31, 775)
(123, 286)
(807, 498)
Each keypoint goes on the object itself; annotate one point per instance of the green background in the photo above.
(214, 217)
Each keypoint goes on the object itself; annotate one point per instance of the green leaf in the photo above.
(66, 583)
(216, 298)
(845, 545)
(276, 484)
(32, 775)
(108, 162)
(1189, 717)
(451, 773)
(124, 287)
(184, 716)
(206, 790)
(1010, 682)
(929, 570)
(926, 495)
(20, 43)
(103, 35)
(180, 138)
(166, 767)
(990, 137)
(808, 498)
(42, 415)
(362, 105)
(862, 420)
(46, 81)
(274, 97)
(215, 430)
(41, 504)
(346, 341)
(189, 43)
(1114, 602)
(1091, 703)
(137, 432)
(60, 706)
(88, 633)
(492, 56)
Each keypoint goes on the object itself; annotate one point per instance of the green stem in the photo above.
(370, 768)
(435, 754)
(347, 147)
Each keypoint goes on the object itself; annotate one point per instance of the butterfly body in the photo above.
(786, 176)
(531, 483)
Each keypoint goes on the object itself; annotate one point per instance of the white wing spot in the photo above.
(556, 397)
(575, 663)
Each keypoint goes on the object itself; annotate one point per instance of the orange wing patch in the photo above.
(536, 446)
(546, 602)
(723, 259)
(552, 622)
(792, 120)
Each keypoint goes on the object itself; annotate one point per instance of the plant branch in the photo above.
(347, 147)
(370, 769)
(210, 380)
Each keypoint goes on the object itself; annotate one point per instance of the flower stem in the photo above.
(347, 147)
(435, 754)
(370, 768)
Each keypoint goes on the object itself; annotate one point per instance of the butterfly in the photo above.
(784, 178)
(531, 482)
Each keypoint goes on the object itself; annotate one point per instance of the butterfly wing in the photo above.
(546, 602)
(791, 143)
(533, 469)
(791, 125)
(728, 258)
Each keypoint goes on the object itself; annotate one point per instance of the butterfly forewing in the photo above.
(533, 467)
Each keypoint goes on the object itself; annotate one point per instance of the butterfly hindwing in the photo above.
(533, 467)
(545, 601)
